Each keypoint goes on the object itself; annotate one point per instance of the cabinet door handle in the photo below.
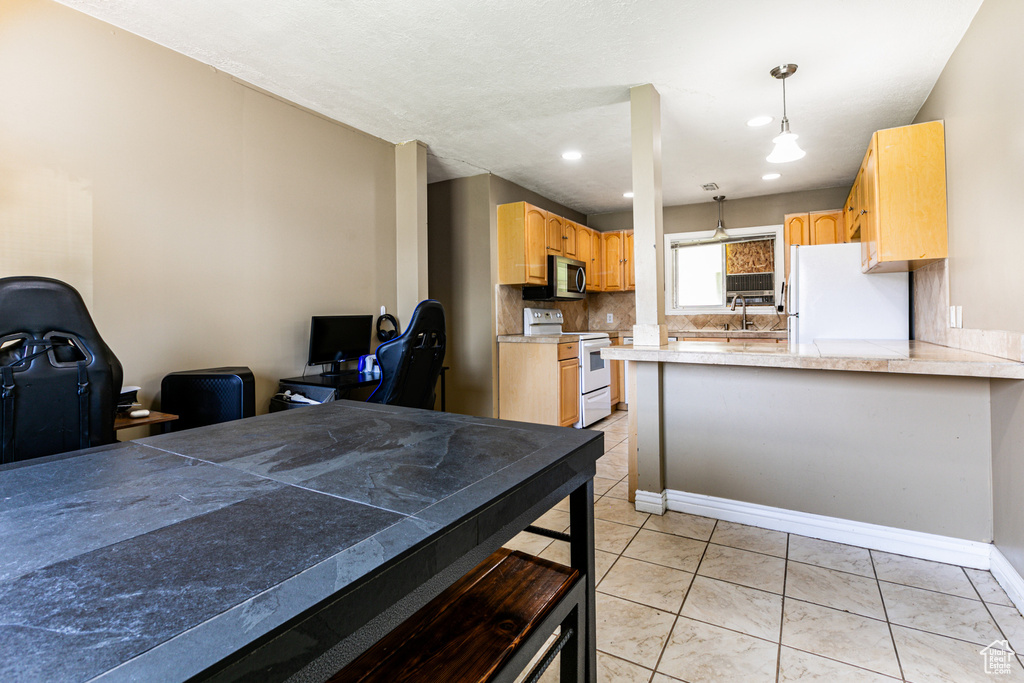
(863, 211)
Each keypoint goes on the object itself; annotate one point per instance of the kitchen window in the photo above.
(703, 276)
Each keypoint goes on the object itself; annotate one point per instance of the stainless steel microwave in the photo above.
(567, 280)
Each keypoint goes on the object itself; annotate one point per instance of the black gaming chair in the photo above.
(411, 363)
(59, 382)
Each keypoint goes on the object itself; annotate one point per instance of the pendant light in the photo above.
(786, 148)
(719, 235)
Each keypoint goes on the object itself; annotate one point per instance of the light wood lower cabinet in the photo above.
(618, 379)
(568, 392)
(539, 383)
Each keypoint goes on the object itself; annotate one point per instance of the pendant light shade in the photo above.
(719, 235)
(786, 147)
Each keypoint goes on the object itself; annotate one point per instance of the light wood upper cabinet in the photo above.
(611, 253)
(629, 267)
(618, 273)
(585, 253)
(570, 238)
(568, 392)
(814, 227)
(595, 279)
(900, 199)
(522, 238)
(554, 234)
(827, 227)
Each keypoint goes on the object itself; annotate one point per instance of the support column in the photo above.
(410, 226)
(648, 229)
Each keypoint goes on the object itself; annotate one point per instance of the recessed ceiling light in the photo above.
(627, 195)
(572, 156)
(771, 176)
(760, 121)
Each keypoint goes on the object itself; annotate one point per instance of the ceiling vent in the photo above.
(710, 187)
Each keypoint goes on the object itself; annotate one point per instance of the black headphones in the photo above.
(387, 335)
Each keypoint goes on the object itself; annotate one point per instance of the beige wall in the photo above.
(736, 213)
(463, 268)
(222, 218)
(980, 98)
(459, 269)
(906, 451)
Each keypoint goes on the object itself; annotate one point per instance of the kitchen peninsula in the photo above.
(263, 548)
(885, 440)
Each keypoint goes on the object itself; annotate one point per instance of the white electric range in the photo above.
(595, 376)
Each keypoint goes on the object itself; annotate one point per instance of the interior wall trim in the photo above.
(925, 546)
(1008, 578)
(649, 501)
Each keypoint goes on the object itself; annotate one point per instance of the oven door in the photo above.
(594, 370)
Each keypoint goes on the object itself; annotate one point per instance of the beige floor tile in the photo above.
(558, 551)
(747, 610)
(795, 665)
(753, 570)
(672, 551)
(562, 505)
(612, 537)
(1012, 625)
(614, 670)
(621, 511)
(662, 678)
(604, 484)
(845, 558)
(933, 576)
(750, 538)
(946, 615)
(682, 524)
(630, 631)
(553, 519)
(835, 589)
(650, 584)
(928, 658)
(620, 491)
(702, 653)
(618, 455)
(988, 587)
(528, 543)
(611, 470)
(849, 638)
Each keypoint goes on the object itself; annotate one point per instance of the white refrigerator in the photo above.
(830, 298)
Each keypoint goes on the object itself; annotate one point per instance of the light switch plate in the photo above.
(959, 316)
(952, 316)
(611, 317)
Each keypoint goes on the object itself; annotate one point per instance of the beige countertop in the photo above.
(913, 357)
(537, 338)
(715, 334)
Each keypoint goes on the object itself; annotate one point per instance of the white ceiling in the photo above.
(506, 86)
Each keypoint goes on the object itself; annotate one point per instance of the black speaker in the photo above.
(206, 397)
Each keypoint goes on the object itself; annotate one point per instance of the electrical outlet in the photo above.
(956, 316)
(611, 318)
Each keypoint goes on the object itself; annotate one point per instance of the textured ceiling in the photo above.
(506, 86)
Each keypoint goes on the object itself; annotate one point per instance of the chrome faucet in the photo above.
(736, 298)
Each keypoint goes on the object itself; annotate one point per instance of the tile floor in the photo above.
(686, 598)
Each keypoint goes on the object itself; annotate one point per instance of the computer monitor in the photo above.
(335, 339)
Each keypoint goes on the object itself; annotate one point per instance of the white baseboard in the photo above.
(887, 539)
(648, 501)
(1008, 578)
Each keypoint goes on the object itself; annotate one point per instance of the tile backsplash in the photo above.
(622, 306)
(931, 319)
(509, 305)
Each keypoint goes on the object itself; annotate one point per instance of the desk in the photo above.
(344, 383)
(122, 421)
(275, 546)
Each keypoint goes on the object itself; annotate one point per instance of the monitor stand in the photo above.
(336, 371)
